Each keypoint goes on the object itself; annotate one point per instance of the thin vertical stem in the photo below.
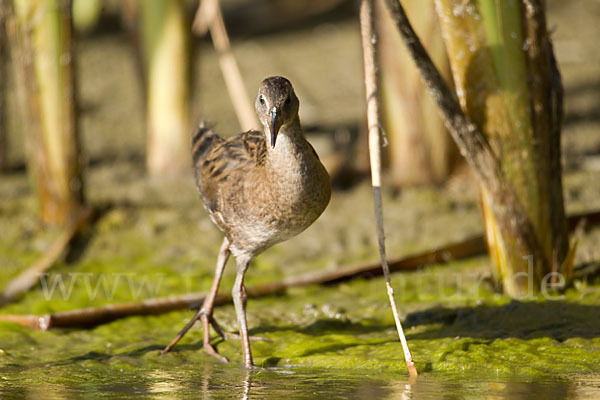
(367, 28)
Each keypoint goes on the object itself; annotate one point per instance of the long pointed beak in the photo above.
(274, 124)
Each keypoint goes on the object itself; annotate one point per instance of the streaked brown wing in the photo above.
(246, 150)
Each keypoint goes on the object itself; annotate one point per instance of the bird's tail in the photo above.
(203, 140)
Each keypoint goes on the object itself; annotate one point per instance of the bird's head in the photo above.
(276, 105)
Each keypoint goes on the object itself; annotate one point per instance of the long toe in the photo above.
(230, 335)
(208, 348)
(236, 336)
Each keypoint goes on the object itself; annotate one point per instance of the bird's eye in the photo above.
(261, 99)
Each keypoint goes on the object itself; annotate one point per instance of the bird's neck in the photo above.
(290, 146)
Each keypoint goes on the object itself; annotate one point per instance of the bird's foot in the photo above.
(208, 320)
(209, 349)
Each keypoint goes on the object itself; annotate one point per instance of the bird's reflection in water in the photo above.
(246, 384)
(237, 382)
(219, 379)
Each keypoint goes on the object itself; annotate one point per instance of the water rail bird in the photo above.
(259, 188)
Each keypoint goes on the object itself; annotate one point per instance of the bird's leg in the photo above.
(205, 312)
(239, 300)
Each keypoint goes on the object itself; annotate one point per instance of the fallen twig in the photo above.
(31, 276)
(93, 316)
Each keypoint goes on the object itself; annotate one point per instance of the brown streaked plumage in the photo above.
(260, 188)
